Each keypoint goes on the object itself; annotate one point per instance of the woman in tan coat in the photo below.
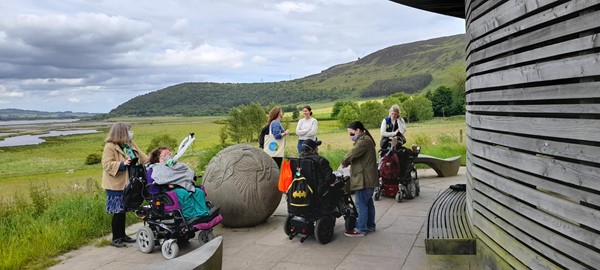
(363, 176)
(120, 153)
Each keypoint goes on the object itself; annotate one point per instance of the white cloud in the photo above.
(258, 60)
(9, 94)
(180, 24)
(289, 6)
(202, 55)
(52, 81)
(310, 39)
(74, 100)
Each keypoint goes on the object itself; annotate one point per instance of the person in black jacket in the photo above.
(325, 176)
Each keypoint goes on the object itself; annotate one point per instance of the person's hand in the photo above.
(127, 162)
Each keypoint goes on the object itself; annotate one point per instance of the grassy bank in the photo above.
(38, 228)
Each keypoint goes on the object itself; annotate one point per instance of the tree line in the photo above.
(243, 123)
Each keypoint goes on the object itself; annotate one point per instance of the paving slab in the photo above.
(398, 242)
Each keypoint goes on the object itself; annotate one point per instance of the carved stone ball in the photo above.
(243, 179)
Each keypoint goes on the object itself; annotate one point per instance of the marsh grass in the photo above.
(35, 230)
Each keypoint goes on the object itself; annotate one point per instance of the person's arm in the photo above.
(328, 176)
(383, 129)
(359, 149)
(143, 158)
(312, 132)
(110, 163)
(277, 130)
(401, 126)
(299, 130)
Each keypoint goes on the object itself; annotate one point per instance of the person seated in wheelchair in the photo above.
(392, 126)
(325, 176)
(178, 177)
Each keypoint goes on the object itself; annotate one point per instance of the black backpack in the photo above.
(135, 191)
(261, 137)
(300, 193)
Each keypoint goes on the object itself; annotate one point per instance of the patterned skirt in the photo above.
(114, 201)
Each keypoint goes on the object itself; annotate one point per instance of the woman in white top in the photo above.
(306, 128)
(392, 125)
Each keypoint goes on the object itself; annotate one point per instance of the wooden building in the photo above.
(533, 129)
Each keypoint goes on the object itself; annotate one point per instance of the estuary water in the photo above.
(37, 139)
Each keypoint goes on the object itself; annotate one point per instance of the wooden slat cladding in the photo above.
(503, 30)
(554, 93)
(533, 130)
(576, 25)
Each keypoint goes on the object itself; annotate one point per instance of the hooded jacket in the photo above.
(363, 161)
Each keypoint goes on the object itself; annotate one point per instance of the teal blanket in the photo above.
(193, 204)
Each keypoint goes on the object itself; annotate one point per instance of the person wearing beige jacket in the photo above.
(120, 153)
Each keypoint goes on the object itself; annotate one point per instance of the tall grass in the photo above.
(34, 230)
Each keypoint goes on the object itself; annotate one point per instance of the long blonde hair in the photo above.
(119, 133)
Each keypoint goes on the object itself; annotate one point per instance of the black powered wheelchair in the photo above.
(328, 203)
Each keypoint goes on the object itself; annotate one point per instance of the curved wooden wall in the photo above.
(533, 127)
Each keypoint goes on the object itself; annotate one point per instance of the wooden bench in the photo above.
(443, 167)
(448, 229)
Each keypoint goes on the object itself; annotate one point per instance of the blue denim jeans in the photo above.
(300, 146)
(366, 209)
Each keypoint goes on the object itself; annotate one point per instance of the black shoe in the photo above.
(128, 239)
(118, 243)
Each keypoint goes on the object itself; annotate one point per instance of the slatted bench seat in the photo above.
(448, 230)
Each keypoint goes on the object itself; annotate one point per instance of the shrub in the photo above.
(417, 108)
(92, 159)
(347, 114)
(371, 114)
(162, 140)
(206, 156)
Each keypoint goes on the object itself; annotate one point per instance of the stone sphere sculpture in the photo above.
(243, 179)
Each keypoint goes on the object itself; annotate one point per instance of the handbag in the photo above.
(285, 175)
(274, 147)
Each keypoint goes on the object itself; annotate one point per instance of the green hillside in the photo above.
(409, 68)
(17, 114)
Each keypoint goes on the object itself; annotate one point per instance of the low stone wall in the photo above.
(207, 257)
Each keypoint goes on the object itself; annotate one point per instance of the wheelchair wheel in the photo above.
(170, 249)
(145, 239)
(399, 197)
(413, 175)
(205, 236)
(377, 194)
(324, 229)
(287, 225)
(350, 223)
(411, 189)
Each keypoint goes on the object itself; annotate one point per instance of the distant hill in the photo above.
(408, 68)
(17, 114)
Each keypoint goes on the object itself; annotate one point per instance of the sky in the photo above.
(93, 55)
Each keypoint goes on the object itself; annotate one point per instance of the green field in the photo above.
(61, 160)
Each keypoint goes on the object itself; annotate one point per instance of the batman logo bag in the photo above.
(299, 192)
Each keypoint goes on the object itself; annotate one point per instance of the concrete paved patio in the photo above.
(398, 242)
